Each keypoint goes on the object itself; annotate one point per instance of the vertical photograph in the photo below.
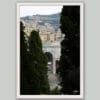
(49, 50)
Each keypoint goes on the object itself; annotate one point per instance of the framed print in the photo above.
(50, 50)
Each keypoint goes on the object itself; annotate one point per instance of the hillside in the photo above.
(52, 19)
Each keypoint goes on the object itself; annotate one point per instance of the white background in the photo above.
(8, 48)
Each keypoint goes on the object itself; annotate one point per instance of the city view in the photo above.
(50, 34)
(49, 50)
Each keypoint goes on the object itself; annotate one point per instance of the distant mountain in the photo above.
(53, 19)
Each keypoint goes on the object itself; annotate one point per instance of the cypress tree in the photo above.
(24, 64)
(38, 65)
(69, 69)
(33, 64)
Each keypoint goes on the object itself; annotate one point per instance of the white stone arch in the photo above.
(50, 61)
(54, 49)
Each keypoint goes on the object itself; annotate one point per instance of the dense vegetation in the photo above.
(69, 69)
(34, 79)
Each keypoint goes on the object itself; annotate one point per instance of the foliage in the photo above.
(69, 69)
(24, 69)
(34, 78)
(38, 65)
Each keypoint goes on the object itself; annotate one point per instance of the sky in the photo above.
(42, 10)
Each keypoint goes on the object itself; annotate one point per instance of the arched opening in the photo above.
(49, 61)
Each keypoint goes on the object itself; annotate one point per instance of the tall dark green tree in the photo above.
(24, 64)
(33, 64)
(38, 65)
(69, 69)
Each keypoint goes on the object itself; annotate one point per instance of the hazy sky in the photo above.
(42, 10)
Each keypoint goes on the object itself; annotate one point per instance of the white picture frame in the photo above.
(81, 53)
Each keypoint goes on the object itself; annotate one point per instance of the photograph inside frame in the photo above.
(50, 49)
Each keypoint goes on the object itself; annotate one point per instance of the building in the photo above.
(46, 31)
